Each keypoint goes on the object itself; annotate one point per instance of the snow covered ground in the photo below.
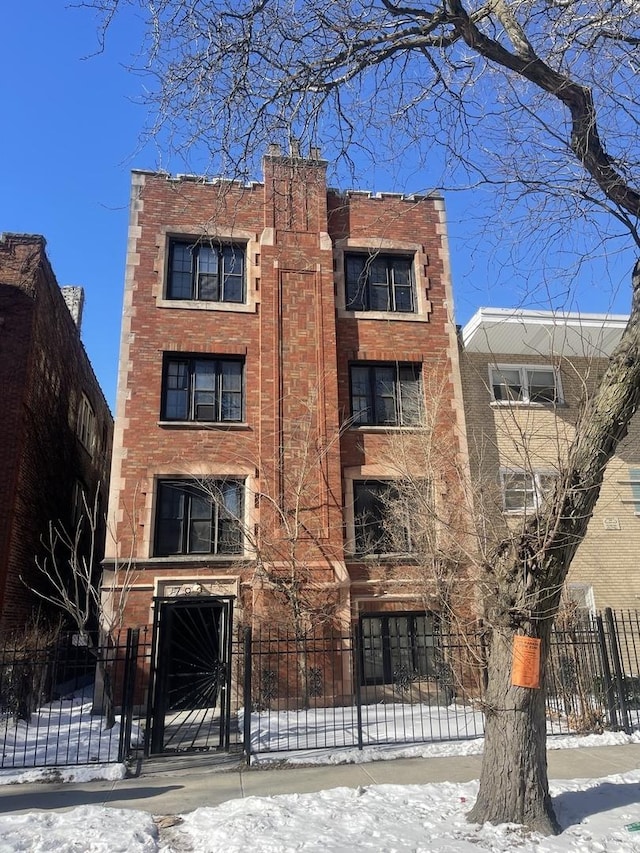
(79, 748)
(389, 723)
(63, 732)
(64, 742)
(596, 815)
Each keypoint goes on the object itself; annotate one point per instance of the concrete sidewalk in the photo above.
(179, 785)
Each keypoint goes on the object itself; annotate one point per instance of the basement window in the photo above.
(398, 647)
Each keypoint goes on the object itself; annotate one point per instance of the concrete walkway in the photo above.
(179, 785)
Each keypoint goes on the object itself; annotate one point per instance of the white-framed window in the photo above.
(634, 482)
(581, 597)
(516, 383)
(524, 491)
(86, 425)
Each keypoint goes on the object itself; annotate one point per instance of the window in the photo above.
(523, 490)
(379, 283)
(634, 482)
(381, 519)
(398, 647)
(78, 505)
(199, 518)
(202, 389)
(386, 394)
(579, 597)
(206, 271)
(525, 384)
(86, 425)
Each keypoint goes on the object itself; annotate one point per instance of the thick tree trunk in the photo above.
(103, 704)
(514, 784)
(523, 580)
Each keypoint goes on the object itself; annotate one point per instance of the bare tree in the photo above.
(287, 557)
(71, 578)
(427, 511)
(423, 528)
(537, 99)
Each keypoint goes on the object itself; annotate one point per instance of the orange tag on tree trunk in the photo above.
(525, 668)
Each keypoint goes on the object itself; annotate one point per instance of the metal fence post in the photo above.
(225, 715)
(358, 673)
(247, 696)
(609, 687)
(128, 691)
(617, 666)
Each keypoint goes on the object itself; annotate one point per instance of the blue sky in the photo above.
(68, 142)
(70, 136)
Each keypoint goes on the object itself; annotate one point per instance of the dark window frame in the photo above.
(194, 404)
(372, 406)
(387, 657)
(379, 282)
(206, 271)
(190, 521)
(370, 537)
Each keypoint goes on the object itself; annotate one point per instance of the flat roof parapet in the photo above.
(522, 331)
(431, 195)
(184, 177)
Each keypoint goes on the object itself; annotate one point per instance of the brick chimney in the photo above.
(295, 190)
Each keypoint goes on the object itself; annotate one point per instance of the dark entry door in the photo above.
(190, 694)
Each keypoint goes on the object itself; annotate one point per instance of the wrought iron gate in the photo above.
(190, 696)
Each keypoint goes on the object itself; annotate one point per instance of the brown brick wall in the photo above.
(44, 371)
(297, 344)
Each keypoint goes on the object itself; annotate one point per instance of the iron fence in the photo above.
(426, 684)
(593, 678)
(357, 690)
(68, 701)
(394, 681)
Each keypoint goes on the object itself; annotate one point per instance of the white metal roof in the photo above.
(510, 331)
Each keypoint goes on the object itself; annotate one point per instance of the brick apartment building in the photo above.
(56, 429)
(525, 374)
(283, 346)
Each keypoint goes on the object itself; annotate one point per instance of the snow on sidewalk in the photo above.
(427, 818)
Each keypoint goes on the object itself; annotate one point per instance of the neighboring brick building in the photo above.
(280, 340)
(525, 374)
(56, 429)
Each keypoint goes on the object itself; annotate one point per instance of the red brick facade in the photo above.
(44, 375)
(295, 450)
